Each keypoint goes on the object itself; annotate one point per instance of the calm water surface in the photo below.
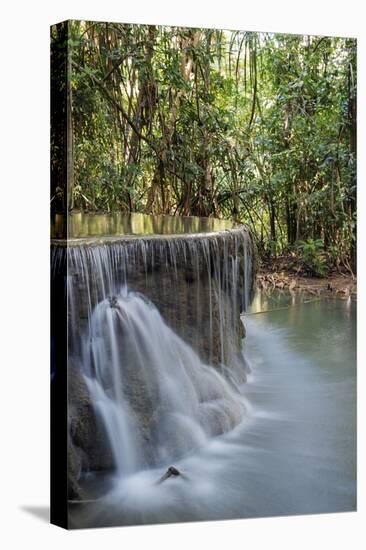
(82, 225)
(295, 452)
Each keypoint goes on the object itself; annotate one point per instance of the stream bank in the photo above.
(340, 284)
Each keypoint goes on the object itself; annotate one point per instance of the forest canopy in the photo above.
(255, 127)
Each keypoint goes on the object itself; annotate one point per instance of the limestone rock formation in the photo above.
(199, 283)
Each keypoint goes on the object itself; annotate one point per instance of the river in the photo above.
(295, 450)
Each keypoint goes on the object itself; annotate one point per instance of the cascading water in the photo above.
(136, 367)
(190, 275)
(156, 371)
(154, 329)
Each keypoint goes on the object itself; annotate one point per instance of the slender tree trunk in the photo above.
(272, 218)
(352, 116)
(59, 73)
(70, 136)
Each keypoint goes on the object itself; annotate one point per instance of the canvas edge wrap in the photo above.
(59, 177)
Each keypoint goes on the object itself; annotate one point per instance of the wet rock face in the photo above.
(200, 286)
(88, 449)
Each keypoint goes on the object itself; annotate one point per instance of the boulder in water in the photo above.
(113, 302)
(171, 471)
(88, 448)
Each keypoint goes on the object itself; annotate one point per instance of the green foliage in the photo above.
(312, 256)
(258, 127)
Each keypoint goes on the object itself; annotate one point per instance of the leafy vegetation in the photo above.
(258, 127)
(312, 256)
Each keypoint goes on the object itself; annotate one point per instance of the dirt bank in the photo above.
(277, 275)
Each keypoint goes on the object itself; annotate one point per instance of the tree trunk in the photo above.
(59, 37)
(70, 137)
(352, 116)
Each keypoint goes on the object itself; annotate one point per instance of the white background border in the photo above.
(24, 303)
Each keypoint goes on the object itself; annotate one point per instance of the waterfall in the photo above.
(142, 376)
(154, 326)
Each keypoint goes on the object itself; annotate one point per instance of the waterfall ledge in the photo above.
(199, 281)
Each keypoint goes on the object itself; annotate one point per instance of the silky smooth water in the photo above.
(140, 372)
(189, 271)
(294, 452)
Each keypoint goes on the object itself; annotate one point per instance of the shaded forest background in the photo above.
(256, 127)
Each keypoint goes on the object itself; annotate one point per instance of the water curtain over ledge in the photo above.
(154, 337)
